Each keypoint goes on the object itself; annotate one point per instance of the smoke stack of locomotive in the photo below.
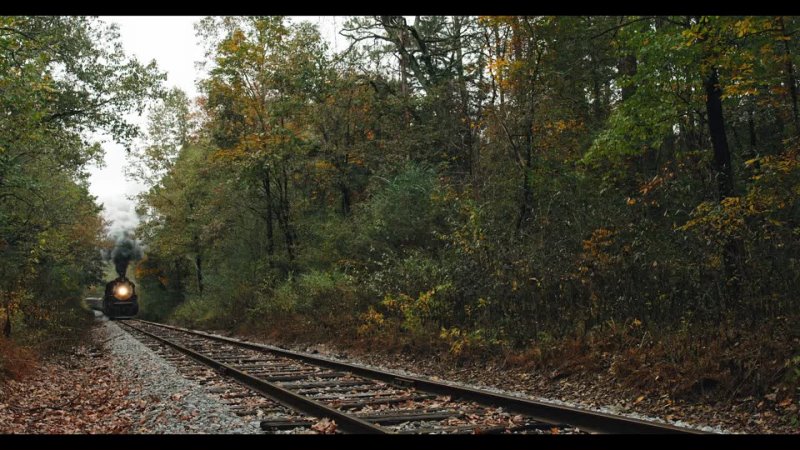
(125, 250)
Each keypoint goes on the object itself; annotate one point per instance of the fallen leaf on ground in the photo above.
(324, 426)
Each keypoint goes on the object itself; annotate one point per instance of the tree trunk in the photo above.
(198, 263)
(751, 127)
(284, 214)
(403, 67)
(464, 94)
(499, 54)
(716, 128)
(343, 187)
(627, 66)
(404, 90)
(724, 175)
(526, 202)
(790, 79)
(345, 199)
(597, 108)
(525, 94)
(268, 194)
(7, 326)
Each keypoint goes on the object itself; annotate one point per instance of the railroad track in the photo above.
(294, 391)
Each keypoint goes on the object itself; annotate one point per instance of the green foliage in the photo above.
(402, 213)
(472, 342)
(209, 313)
(416, 313)
(61, 79)
(160, 286)
(486, 183)
(310, 294)
(793, 372)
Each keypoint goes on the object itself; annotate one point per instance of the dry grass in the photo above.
(717, 363)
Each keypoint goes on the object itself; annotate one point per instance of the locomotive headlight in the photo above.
(122, 292)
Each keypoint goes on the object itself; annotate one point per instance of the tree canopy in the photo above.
(505, 176)
(61, 80)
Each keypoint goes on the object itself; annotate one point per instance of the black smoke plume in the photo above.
(125, 251)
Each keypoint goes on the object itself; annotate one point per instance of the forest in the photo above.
(625, 189)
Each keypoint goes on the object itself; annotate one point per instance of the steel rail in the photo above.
(288, 398)
(590, 421)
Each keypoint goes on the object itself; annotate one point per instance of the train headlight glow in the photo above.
(122, 292)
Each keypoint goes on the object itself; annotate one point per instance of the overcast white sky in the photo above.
(171, 42)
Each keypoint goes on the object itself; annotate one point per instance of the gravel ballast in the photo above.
(173, 403)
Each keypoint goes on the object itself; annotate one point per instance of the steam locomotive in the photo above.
(120, 300)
